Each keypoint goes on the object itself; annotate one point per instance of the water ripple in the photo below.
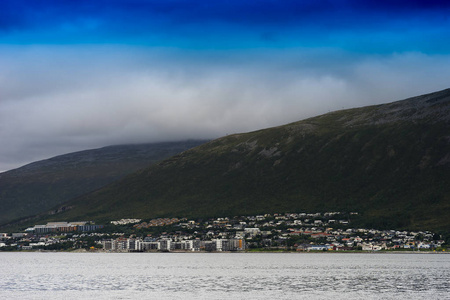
(223, 275)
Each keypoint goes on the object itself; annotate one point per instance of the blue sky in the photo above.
(359, 26)
(90, 73)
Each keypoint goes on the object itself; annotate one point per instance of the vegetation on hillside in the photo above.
(388, 162)
(40, 186)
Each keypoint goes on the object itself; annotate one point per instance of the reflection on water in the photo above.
(223, 275)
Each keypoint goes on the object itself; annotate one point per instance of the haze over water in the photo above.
(223, 276)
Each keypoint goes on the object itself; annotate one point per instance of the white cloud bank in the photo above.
(55, 100)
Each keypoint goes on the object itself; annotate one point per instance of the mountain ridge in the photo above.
(39, 186)
(389, 162)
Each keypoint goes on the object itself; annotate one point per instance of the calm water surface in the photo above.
(223, 276)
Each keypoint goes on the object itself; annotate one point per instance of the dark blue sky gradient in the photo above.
(362, 26)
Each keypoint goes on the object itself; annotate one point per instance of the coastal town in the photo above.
(303, 232)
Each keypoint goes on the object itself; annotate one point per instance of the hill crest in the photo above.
(39, 186)
(388, 162)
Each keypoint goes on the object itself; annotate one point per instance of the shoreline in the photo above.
(234, 252)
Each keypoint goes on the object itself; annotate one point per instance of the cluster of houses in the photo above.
(291, 231)
(157, 222)
(125, 221)
(49, 240)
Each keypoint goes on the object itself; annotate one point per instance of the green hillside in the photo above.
(40, 186)
(388, 162)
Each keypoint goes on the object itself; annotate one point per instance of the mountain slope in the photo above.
(39, 186)
(389, 162)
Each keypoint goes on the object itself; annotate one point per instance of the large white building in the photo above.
(124, 244)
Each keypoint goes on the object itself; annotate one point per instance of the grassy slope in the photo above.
(38, 187)
(389, 162)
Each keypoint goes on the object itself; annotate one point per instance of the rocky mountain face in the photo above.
(42, 185)
(390, 163)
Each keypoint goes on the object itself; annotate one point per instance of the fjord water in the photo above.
(223, 276)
